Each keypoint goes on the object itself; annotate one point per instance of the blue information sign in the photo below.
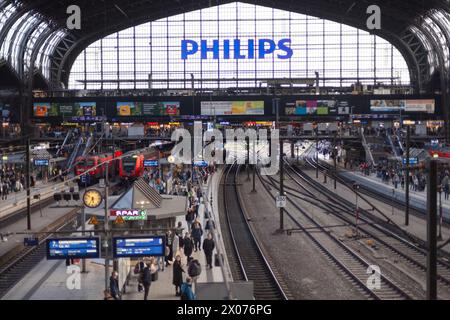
(76, 248)
(30, 242)
(139, 247)
(201, 163)
(150, 163)
(412, 161)
(41, 162)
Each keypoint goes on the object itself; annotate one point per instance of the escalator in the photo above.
(394, 146)
(66, 142)
(77, 151)
(369, 155)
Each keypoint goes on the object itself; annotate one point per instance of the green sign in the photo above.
(130, 215)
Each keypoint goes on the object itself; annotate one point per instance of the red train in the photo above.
(445, 153)
(133, 167)
(86, 163)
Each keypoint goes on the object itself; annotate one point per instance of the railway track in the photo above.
(22, 263)
(247, 262)
(347, 260)
(411, 255)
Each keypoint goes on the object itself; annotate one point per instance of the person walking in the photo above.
(114, 285)
(197, 232)
(149, 270)
(178, 271)
(188, 246)
(186, 290)
(208, 248)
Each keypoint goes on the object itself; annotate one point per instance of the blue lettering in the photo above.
(214, 49)
(282, 49)
(226, 49)
(237, 49)
(262, 47)
(283, 45)
(251, 49)
(185, 52)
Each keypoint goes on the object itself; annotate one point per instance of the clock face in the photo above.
(92, 198)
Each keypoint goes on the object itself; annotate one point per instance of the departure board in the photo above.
(139, 247)
(76, 248)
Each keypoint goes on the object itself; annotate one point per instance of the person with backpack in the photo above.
(177, 279)
(194, 269)
(186, 290)
(208, 248)
(149, 270)
(188, 245)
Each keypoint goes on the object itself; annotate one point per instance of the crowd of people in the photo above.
(13, 180)
(181, 244)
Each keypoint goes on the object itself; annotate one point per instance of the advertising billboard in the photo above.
(406, 105)
(311, 108)
(76, 248)
(232, 108)
(420, 105)
(158, 109)
(387, 105)
(71, 109)
(135, 247)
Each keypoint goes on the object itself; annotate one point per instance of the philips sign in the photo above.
(234, 49)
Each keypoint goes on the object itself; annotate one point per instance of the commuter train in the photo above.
(133, 167)
(84, 164)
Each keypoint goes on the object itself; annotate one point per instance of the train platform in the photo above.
(52, 280)
(417, 224)
(418, 199)
(18, 200)
(44, 219)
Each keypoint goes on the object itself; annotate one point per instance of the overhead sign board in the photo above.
(41, 162)
(201, 164)
(130, 214)
(76, 248)
(151, 163)
(412, 161)
(131, 247)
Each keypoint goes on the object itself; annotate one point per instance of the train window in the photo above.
(90, 163)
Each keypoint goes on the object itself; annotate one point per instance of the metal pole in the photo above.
(431, 231)
(335, 153)
(83, 227)
(281, 185)
(27, 173)
(248, 159)
(317, 153)
(408, 137)
(255, 159)
(106, 228)
(440, 214)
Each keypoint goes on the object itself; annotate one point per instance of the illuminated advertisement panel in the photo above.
(232, 108)
(387, 105)
(311, 108)
(158, 109)
(420, 105)
(77, 109)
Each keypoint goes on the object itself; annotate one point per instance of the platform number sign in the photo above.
(281, 201)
